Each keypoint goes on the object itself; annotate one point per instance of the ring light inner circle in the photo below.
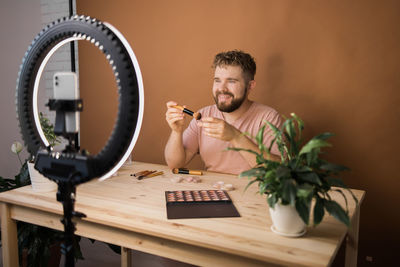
(36, 86)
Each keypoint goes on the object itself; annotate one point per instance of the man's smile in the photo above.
(224, 97)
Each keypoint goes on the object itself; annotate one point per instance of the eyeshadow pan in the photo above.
(197, 196)
(199, 204)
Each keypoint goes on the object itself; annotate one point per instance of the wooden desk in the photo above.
(132, 214)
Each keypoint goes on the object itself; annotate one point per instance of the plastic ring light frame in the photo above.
(127, 74)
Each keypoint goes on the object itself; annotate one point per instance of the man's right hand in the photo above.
(175, 153)
(174, 117)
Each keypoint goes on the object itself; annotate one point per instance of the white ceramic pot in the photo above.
(286, 221)
(39, 182)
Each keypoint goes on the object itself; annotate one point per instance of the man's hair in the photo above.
(237, 58)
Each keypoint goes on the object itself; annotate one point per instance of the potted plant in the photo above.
(38, 245)
(300, 181)
(38, 181)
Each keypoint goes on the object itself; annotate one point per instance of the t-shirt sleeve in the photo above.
(276, 120)
(190, 137)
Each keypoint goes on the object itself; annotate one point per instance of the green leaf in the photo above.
(333, 181)
(289, 191)
(277, 139)
(323, 136)
(260, 159)
(313, 144)
(24, 177)
(310, 158)
(277, 133)
(269, 174)
(290, 134)
(352, 194)
(344, 197)
(302, 168)
(270, 145)
(255, 172)
(299, 121)
(318, 210)
(289, 127)
(262, 187)
(250, 183)
(300, 127)
(260, 135)
(333, 167)
(248, 135)
(263, 149)
(337, 211)
(303, 209)
(282, 172)
(272, 199)
(309, 177)
(242, 149)
(289, 149)
(48, 130)
(305, 191)
(271, 165)
(269, 181)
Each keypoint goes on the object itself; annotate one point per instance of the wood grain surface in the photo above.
(132, 213)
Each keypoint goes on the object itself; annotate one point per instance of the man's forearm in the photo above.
(174, 153)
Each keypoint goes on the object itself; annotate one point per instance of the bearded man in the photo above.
(222, 125)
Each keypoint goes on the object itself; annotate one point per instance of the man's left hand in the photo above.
(218, 128)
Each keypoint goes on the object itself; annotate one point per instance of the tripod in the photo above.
(66, 195)
(67, 169)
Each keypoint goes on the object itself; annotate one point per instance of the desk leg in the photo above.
(352, 240)
(9, 237)
(126, 257)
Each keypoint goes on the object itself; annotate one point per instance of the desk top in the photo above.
(139, 205)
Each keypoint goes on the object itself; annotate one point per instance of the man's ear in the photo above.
(251, 85)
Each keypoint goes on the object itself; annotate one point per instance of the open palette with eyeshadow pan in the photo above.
(199, 204)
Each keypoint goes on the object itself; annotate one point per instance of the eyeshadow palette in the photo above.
(199, 204)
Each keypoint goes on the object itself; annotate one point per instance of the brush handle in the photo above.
(186, 171)
(185, 110)
(196, 115)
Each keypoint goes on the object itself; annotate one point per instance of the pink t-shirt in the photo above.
(213, 151)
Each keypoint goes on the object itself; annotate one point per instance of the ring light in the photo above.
(127, 75)
(72, 167)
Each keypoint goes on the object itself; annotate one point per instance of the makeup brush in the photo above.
(186, 171)
(195, 115)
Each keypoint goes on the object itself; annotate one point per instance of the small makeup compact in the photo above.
(199, 204)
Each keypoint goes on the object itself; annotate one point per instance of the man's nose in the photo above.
(223, 87)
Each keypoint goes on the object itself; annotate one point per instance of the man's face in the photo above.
(229, 88)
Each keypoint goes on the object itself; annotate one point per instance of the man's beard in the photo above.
(234, 105)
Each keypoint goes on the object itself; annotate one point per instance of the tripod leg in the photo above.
(66, 195)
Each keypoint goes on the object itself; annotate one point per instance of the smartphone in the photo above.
(65, 86)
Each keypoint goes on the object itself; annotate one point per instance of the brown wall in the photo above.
(334, 63)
